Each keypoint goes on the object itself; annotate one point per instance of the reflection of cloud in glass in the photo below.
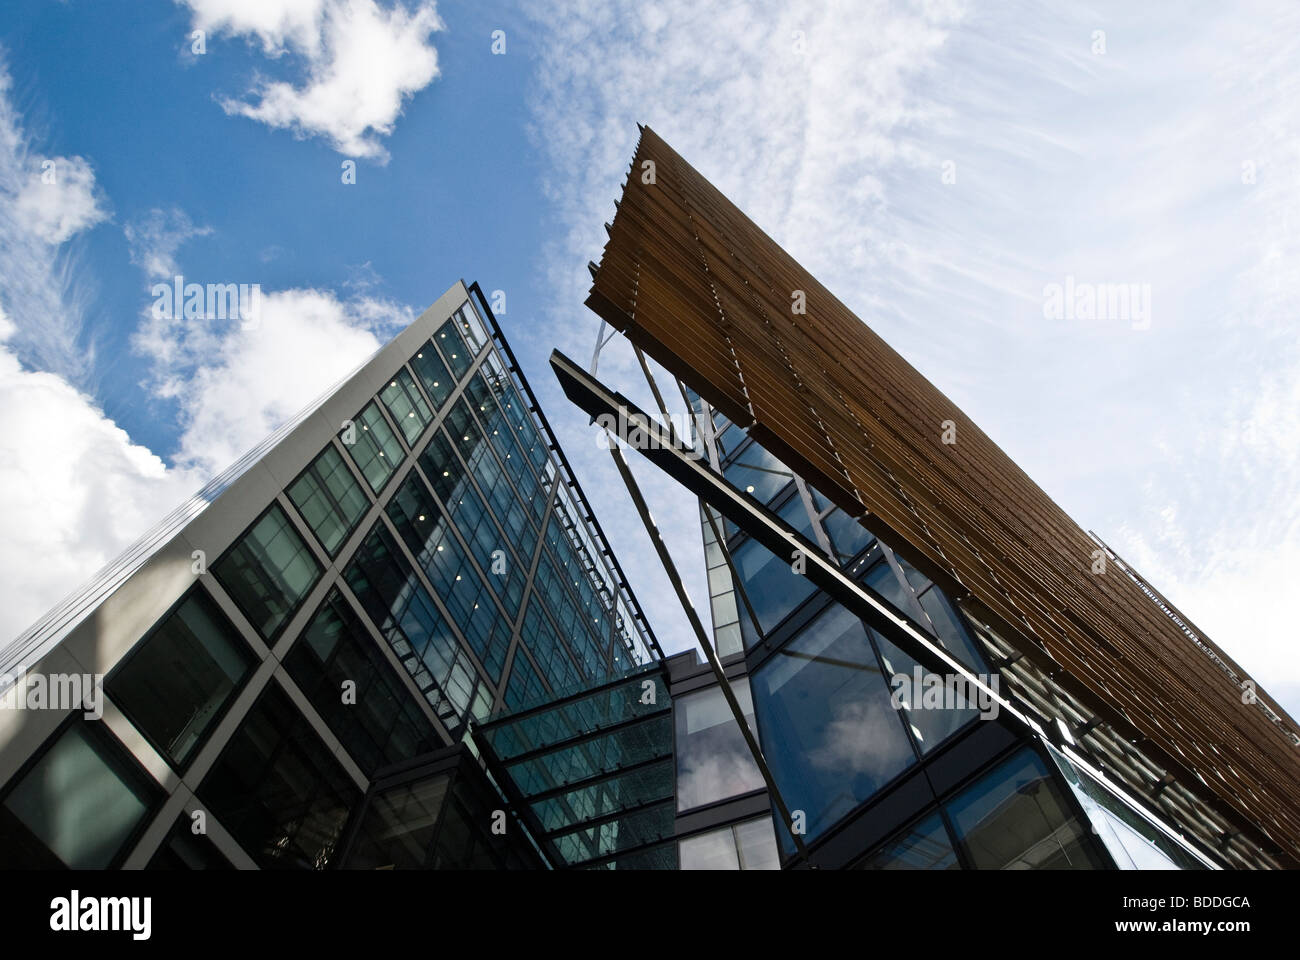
(862, 738)
(717, 772)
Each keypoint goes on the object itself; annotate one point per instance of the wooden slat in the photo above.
(688, 277)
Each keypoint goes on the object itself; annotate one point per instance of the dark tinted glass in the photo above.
(341, 670)
(269, 571)
(177, 682)
(278, 790)
(829, 731)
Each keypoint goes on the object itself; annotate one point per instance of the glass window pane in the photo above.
(437, 382)
(713, 761)
(269, 571)
(1016, 818)
(278, 790)
(373, 446)
(329, 499)
(454, 351)
(80, 801)
(178, 681)
(757, 845)
(924, 846)
(829, 732)
(758, 473)
(185, 850)
(773, 588)
(380, 724)
(715, 850)
(847, 535)
(398, 829)
(406, 405)
(952, 634)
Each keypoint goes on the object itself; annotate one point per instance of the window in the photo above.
(373, 446)
(773, 588)
(278, 790)
(380, 724)
(428, 366)
(180, 678)
(848, 537)
(948, 625)
(1016, 818)
(185, 850)
(389, 590)
(453, 348)
(471, 326)
(77, 805)
(268, 572)
(329, 499)
(758, 473)
(923, 846)
(931, 724)
(713, 760)
(830, 734)
(399, 827)
(742, 846)
(406, 405)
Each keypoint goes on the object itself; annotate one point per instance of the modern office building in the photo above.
(395, 636)
(290, 662)
(870, 549)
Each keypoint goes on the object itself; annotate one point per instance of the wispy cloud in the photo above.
(937, 165)
(45, 201)
(361, 61)
(155, 238)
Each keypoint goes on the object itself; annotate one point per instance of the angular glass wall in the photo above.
(593, 773)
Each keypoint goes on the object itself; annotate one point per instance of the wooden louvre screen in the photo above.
(689, 278)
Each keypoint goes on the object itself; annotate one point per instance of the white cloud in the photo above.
(76, 490)
(59, 199)
(1124, 167)
(361, 60)
(38, 289)
(247, 389)
(155, 238)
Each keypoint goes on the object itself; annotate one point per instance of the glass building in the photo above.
(916, 659)
(291, 662)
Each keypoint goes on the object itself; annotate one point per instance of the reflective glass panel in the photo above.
(923, 846)
(329, 499)
(178, 680)
(80, 802)
(1016, 818)
(713, 760)
(269, 571)
(829, 732)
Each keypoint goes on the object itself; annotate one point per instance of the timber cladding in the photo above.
(690, 279)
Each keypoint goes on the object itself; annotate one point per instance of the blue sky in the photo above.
(938, 165)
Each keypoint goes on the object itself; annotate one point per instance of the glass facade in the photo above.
(278, 789)
(829, 731)
(713, 760)
(329, 499)
(750, 845)
(373, 446)
(1016, 818)
(77, 804)
(344, 674)
(268, 572)
(415, 531)
(179, 679)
